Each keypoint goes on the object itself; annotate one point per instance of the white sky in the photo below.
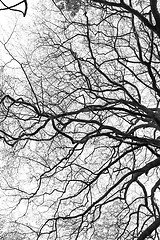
(7, 23)
(7, 15)
(8, 20)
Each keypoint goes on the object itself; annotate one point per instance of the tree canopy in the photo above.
(80, 123)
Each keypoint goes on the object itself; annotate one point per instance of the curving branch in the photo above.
(13, 7)
(155, 11)
(81, 121)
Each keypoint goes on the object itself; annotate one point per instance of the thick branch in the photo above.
(130, 10)
(150, 229)
(155, 11)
